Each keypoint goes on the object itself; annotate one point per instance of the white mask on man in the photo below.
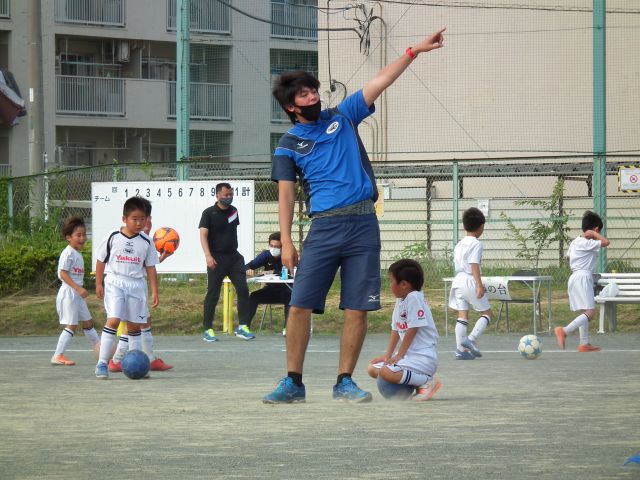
(275, 252)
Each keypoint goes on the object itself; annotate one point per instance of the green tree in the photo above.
(540, 234)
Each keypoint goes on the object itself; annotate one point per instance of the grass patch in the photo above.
(180, 311)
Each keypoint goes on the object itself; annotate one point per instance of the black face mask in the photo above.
(310, 112)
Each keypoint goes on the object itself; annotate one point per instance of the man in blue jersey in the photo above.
(323, 150)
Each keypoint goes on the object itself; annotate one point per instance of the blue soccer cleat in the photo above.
(286, 392)
(348, 391)
(244, 333)
(464, 355)
(102, 371)
(466, 343)
(209, 336)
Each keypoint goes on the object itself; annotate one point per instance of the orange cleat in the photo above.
(561, 337)
(114, 366)
(61, 360)
(588, 348)
(159, 365)
(427, 391)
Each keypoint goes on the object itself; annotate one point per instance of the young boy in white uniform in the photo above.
(415, 362)
(157, 364)
(467, 288)
(583, 255)
(70, 301)
(124, 256)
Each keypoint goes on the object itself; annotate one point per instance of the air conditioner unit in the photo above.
(122, 51)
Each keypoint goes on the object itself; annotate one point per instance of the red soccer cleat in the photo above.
(561, 337)
(588, 348)
(159, 365)
(61, 360)
(114, 366)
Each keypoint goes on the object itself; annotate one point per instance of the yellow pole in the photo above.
(225, 306)
(230, 314)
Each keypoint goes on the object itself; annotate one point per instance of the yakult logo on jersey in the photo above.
(127, 259)
(420, 313)
(78, 270)
(333, 127)
(402, 326)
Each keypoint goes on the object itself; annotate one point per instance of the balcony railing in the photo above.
(5, 11)
(90, 12)
(298, 15)
(209, 101)
(5, 170)
(207, 16)
(90, 96)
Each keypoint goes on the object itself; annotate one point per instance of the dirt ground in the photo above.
(565, 415)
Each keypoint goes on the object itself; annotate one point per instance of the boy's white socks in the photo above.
(65, 337)
(461, 333)
(577, 322)
(414, 379)
(123, 346)
(147, 343)
(106, 343)
(92, 336)
(135, 340)
(479, 327)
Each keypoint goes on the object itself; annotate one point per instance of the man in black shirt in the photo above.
(219, 239)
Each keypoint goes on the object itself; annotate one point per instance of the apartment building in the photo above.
(98, 78)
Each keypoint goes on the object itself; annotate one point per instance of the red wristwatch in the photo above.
(409, 52)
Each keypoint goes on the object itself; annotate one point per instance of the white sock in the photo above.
(461, 333)
(135, 341)
(65, 337)
(106, 343)
(584, 332)
(413, 378)
(147, 343)
(123, 346)
(479, 327)
(577, 322)
(92, 336)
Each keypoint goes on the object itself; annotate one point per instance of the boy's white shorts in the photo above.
(126, 299)
(72, 308)
(463, 295)
(580, 290)
(415, 363)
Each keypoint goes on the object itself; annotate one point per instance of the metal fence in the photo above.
(302, 14)
(209, 101)
(420, 207)
(90, 95)
(5, 10)
(90, 12)
(206, 16)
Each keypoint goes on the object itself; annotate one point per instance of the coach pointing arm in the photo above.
(389, 74)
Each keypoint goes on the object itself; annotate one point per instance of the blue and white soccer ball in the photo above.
(393, 391)
(530, 347)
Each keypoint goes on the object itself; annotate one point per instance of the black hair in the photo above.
(472, 219)
(275, 236)
(591, 220)
(408, 270)
(222, 185)
(70, 225)
(287, 86)
(136, 203)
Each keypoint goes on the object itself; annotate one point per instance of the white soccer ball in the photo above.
(530, 347)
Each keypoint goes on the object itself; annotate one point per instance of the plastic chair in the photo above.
(505, 303)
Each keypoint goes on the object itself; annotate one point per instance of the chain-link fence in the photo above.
(533, 207)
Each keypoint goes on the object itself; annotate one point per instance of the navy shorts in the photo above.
(351, 243)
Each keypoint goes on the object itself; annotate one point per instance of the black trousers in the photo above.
(272, 295)
(228, 265)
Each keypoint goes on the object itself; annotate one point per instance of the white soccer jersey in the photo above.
(583, 254)
(71, 260)
(127, 257)
(413, 312)
(467, 251)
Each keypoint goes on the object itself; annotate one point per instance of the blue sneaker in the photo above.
(209, 336)
(348, 391)
(464, 355)
(244, 333)
(102, 371)
(466, 343)
(286, 392)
